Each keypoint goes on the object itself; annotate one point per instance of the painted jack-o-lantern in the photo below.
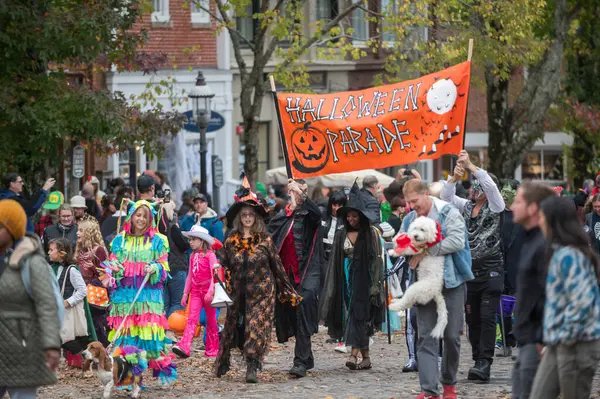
(310, 149)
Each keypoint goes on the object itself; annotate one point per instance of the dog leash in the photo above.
(118, 332)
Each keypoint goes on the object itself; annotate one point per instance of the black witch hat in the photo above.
(244, 197)
(356, 202)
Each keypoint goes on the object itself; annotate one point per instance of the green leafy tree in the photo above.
(519, 47)
(581, 108)
(286, 37)
(43, 109)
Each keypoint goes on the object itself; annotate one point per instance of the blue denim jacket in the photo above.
(457, 266)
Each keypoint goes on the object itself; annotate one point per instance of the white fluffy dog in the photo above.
(423, 233)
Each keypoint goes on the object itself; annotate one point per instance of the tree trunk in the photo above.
(251, 127)
(498, 124)
(514, 130)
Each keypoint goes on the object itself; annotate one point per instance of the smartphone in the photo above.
(167, 196)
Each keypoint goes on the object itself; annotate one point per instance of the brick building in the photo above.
(186, 34)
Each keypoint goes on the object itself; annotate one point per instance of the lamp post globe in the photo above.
(201, 96)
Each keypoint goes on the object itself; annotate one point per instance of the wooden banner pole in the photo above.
(286, 157)
(470, 51)
(454, 158)
(469, 56)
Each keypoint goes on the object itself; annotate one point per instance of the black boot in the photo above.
(480, 372)
(222, 369)
(252, 367)
(298, 370)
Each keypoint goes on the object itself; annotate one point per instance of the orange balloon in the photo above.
(177, 321)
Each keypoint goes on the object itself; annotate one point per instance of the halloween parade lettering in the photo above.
(377, 127)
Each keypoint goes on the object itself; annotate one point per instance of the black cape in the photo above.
(303, 320)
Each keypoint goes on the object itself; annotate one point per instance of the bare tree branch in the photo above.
(222, 21)
(376, 14)
(235, 40)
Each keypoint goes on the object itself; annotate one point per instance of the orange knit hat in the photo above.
(13, 218)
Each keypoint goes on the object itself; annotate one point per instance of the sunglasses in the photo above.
(247, 214)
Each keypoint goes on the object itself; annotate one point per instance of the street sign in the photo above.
(217, 169)
(216, 122)
(78, 162)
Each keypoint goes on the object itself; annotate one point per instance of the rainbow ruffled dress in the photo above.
(145, 327)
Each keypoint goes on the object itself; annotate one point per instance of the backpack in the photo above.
(26, 277)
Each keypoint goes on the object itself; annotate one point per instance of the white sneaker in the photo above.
(341, 348)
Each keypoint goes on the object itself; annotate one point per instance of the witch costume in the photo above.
(253, 271)
(353, 297)
(145, 326)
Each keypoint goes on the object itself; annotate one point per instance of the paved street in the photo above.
(329, 379)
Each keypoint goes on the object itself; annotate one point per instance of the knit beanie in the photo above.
(13, 218)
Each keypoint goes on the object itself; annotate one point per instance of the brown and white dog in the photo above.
(111, 370)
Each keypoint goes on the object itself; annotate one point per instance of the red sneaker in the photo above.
(424, 395)
(449, 392)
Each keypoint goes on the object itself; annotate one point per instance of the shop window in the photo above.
(543, 165)
(532, 166)
(553, 165)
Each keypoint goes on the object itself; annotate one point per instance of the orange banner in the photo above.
(378, 127)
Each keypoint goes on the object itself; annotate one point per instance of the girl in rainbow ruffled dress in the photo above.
(200, 287)
(140, 250)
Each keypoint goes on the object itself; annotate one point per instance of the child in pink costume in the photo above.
(201, 288)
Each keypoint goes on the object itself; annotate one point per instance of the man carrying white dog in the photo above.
(457, 269)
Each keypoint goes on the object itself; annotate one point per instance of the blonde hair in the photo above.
(91, 237)
(414, 186)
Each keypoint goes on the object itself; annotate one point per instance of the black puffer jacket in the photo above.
(59, 231)
(178, 247)
(513, 236)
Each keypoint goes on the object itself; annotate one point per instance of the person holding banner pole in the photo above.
(297, 236)
(483, 220)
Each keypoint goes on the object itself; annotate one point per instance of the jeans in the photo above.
(19, 393)
(173, 292)
(483, 298)
(428, 348)
(524, 371)
(567, 370)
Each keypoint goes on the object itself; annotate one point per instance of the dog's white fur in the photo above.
(430, 274)
(95, 353)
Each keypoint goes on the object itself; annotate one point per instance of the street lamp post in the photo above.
(201, 94)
